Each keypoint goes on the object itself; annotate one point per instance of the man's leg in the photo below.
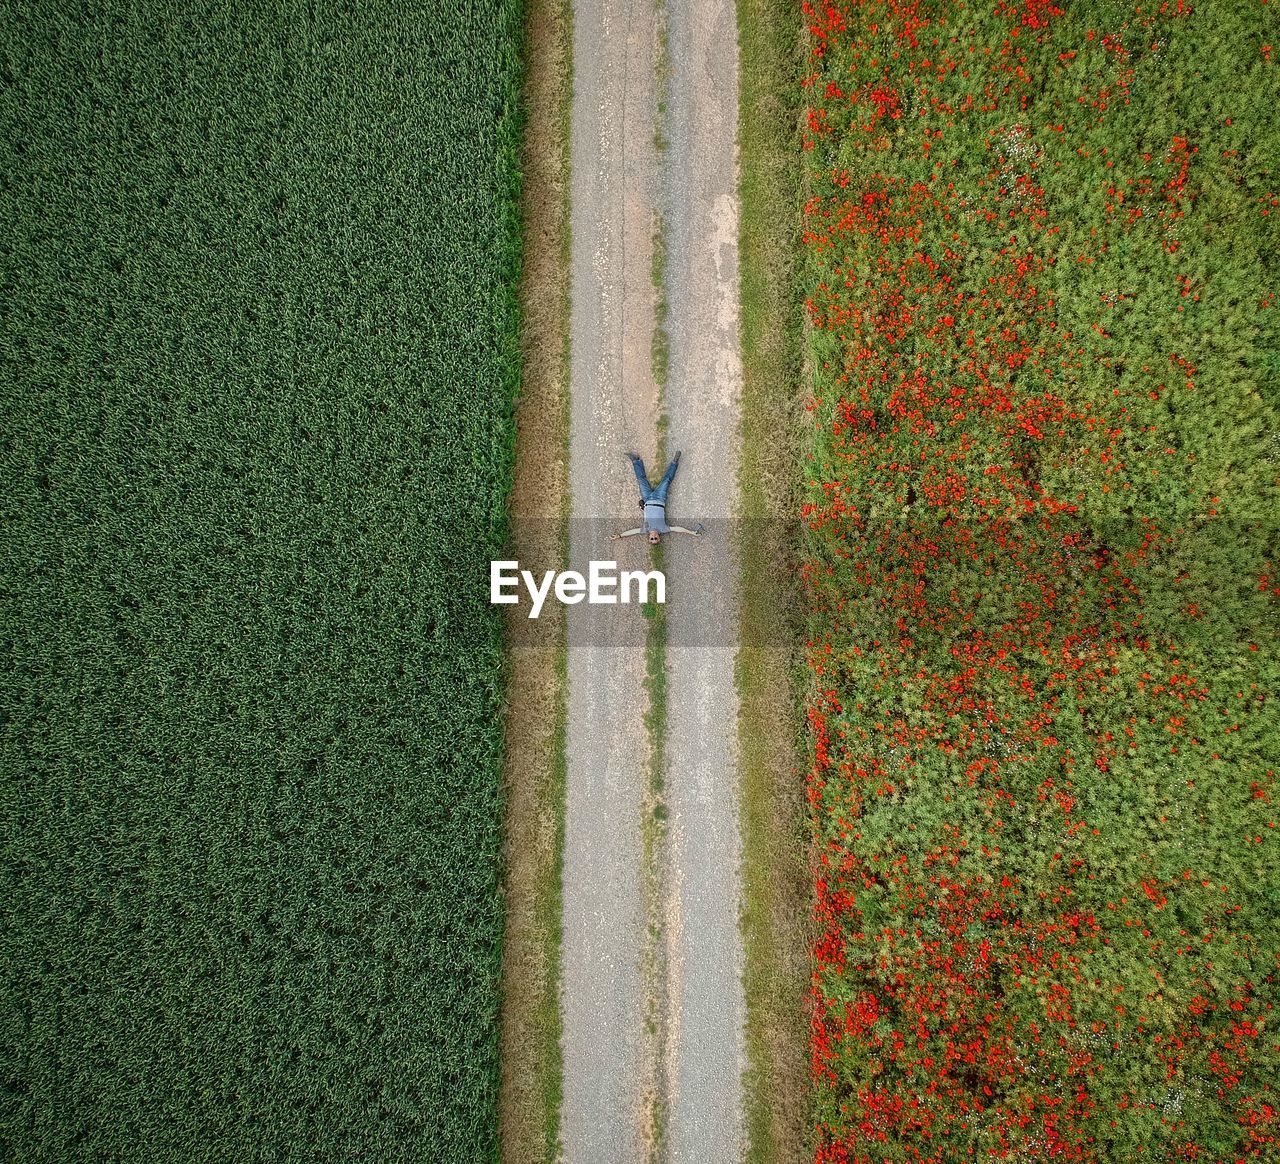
(661, 491)
(641, 476)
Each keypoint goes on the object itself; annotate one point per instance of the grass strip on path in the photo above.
(654, 825)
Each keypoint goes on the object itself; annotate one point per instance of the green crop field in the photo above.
(257, 341)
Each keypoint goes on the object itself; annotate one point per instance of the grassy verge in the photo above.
(775, 882)
(531, 1084)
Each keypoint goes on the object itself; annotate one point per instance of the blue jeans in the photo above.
(651, 492)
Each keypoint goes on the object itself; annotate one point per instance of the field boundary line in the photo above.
(776, 896)
(531, 1072)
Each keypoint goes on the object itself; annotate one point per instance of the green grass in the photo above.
(662, 70)
(653, 835)
(655, 680)
(551, 895)
(258, 355)
(660, 348)
(654, 825)
(551, 915)
(660, 345)
(775, 895)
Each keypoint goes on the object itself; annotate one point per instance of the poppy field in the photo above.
(1040, 266)
(259, 355)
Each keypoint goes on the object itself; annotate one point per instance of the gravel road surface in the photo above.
(618, 180)
(613, 409)
(705, 1053)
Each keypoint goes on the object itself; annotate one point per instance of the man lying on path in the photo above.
(654, 501)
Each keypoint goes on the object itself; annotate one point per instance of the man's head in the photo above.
(654, 537)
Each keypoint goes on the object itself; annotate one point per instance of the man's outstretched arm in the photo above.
(681, 529)
(630, 533)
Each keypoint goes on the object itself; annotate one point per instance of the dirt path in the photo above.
(613, 406)
(705, 1052)
(617, 182)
